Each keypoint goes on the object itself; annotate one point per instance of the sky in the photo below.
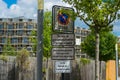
(28, 8)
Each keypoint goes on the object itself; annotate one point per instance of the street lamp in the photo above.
(40, 39)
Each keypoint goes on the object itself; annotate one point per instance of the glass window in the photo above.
(25, 40)
(10, 32)
(1, 26)
(28, 32)
(20, 32)
(14, 40)
(29, 48)
(10, 26)
(0, 48)
(30, 27)
(3, 40)
(1, 32)
(20, 26)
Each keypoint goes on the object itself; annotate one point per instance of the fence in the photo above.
(8, 71)
(79, 71)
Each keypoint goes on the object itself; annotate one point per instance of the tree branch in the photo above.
(114, 17)
(82, 18)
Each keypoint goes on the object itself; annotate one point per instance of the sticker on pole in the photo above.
(62, 21)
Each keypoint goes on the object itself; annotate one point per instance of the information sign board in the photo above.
(62, 53)
(62, 67)
(63, 39)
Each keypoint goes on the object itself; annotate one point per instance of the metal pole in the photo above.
(116, 48)
(40, 39)
(62, 78)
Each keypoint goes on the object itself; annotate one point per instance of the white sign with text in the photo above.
(62, 66)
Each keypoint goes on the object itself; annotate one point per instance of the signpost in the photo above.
(40, 39)
(63, 39)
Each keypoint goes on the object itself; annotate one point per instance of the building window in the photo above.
(29, 48)
(20, 26)
(14, 40)
(20, 32)
(3, 40)
(10, 32)
(0, 49)
(28, 32)
(25, 40)
(1, 26)
(1, 32)
(30, 27)
(10, 26)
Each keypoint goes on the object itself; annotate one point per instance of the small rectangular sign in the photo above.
(63, 39)
(62, 53)
(62, 67)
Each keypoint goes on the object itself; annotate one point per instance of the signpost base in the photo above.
(62, 76)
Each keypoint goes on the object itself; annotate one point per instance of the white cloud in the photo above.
(27, 8)
(3, 9)
(49, 3)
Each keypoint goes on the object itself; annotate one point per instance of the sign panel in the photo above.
(78, 41)
(62, 53)
(62, 67)
(62, 22)
(63, 40)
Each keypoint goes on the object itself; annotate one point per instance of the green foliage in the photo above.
(84, 61)
(47, 31)
(96, 13)
(22, 59)
(107, 46)
(44, 70)
(47, 34)
(4, 58)
(33, 39)
(8, 49)
(69, 12)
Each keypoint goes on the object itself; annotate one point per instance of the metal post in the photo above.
(62, 78)
(116, 48)
(40, 39)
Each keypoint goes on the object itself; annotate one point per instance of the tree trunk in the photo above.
(47, 70)
(97, 57)
(100, 70)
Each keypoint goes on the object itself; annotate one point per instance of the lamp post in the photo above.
(40, 39)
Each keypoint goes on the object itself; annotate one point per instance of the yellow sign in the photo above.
(40, 4)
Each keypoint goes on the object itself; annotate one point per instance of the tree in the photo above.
(23, 63)
(47, 34)
(33, 39)
(8, 49)
(107, 46)
(99, 15)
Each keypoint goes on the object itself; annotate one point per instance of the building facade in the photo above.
(80, 35)
(18, 31)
